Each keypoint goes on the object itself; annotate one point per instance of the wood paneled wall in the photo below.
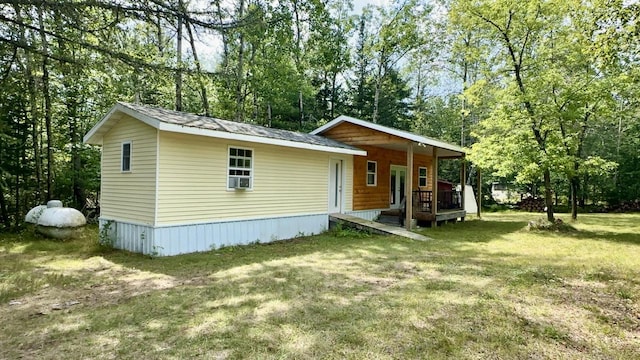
(377, 197)
(357, 135)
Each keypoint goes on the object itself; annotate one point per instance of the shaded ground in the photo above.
(482, 289)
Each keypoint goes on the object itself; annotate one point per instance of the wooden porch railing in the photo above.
(447, 200)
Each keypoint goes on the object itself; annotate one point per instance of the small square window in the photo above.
(125, 163)
(372, 173)
(422, 176)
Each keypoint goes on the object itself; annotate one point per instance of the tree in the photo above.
(549, 92)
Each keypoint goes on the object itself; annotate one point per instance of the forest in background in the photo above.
(544, 93)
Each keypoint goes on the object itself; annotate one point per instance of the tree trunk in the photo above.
(47, 101)
(334, 87)
(179, 60)
(79, 197)
(575, 187)
(225, 48)
(362, 67)
(4, 214)
(548, 197)
(256, 109)
(376, 96)
(298, 35)
(240, 70)
(300, 108)
(203, 88)
(33, 110)
(269, 115)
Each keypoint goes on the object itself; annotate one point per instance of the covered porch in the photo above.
(400, 172)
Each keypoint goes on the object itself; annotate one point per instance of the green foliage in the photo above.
(342, 231)
(550, 95)
(106, 236)
(546, 225)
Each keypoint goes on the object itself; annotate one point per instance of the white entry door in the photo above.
(335, 186)
(396, 185)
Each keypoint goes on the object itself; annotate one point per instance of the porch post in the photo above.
(409, 187)
(463, 178)
(479, 192)
(434, 187)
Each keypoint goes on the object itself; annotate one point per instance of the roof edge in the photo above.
(95, 138)
(388, 130)
(90, 137)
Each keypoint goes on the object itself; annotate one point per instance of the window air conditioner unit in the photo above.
(243, 183)
(240, 183)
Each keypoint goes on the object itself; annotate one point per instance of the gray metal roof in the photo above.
(208, 123)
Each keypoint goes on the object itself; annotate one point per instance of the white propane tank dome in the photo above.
(61, 217)
(60, 222)
(54, 204)
(33, 214)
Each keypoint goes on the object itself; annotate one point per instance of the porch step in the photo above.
(389, 219)
(375, 227)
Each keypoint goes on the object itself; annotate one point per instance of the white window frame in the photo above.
(425, 177)
(375, 173)
(130, 143)
(229, 167)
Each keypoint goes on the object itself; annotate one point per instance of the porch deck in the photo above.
(375, 227)
(441, 216)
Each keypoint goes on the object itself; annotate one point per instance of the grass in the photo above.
(480, 289)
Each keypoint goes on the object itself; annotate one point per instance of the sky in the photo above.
(209, 47)
(359, 4)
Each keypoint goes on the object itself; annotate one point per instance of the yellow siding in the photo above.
(193, 179)
(129, 196)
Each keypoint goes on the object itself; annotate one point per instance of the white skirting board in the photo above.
(182, 239)
(370, 215)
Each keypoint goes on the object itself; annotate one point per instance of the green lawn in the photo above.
(481, 289)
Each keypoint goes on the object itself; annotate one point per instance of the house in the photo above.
(176, 183)
(396, 161)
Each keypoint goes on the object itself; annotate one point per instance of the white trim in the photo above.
(375, 174)
(91, 136)
(118, 107)
(106, 218)
(340, 186)
(426, 176)
(229, 147)
(399, 133)
(220, 221)
(96, 127)
(402, 168)
(157, 189)
(212, 221)
(130, 169)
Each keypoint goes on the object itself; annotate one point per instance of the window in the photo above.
(372, 173)
(240, 168)
(422, 176)
(125, 159)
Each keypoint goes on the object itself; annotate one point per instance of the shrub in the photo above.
(546, 225)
